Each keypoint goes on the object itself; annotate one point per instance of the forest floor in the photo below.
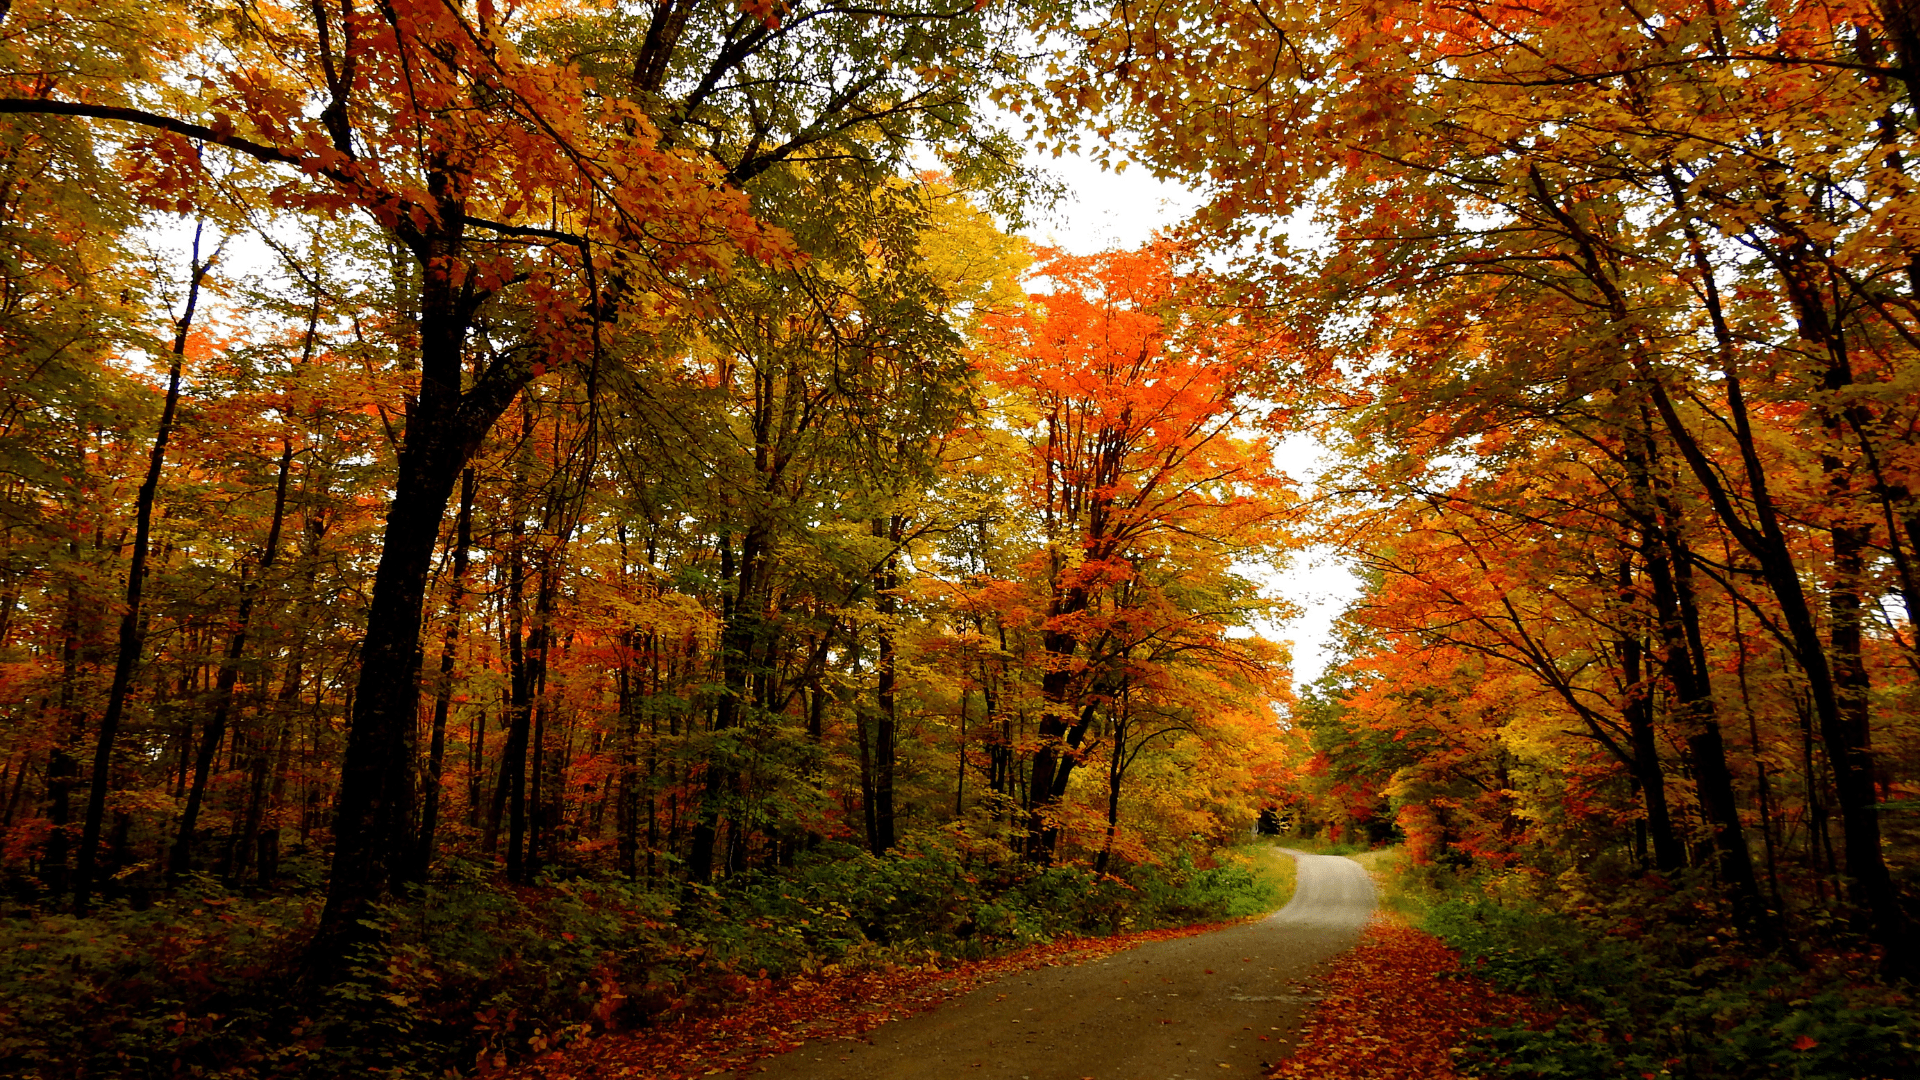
(1398, 1006)
(1224, 1000)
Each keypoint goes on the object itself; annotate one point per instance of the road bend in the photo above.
(1221, 1004)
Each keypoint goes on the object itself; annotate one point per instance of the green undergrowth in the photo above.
(1650, 981)
(1320, 845)
(1397, 890)
(470, 973)
(1273, 872)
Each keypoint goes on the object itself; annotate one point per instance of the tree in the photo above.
(1133, 392)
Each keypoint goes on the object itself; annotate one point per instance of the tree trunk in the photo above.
(445, 426)
(1764, 789)
(513, 765)
(1668, 855)
(1685, 664)
(736, 649)
(1116, 771)
(627, 804)
(1048, 759)
(1683, 660)
(132, 626)
(181, 858)
(63, 772)
(864, 738)
(443, 689)
(887, 605)
(1831, 684)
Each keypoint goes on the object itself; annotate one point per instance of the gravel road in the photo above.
(1214, 1005)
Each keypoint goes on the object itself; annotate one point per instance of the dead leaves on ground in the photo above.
(1397, 1008)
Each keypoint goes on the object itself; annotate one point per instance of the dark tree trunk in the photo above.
(1048, 760)
(1684, 662)
(512, 785)
(1116, 772)
(1829, 681)
(540, 761)
(652, 791)
(476, 764)
(19, 788)
(548, 761)
(627, 804)
(132, 624)
(863, 735)
(181, 858)
(1819, 842)
(1681, 654)
(736, 650)
(443, 688)
(1668, 855)
(960, 762)
(1764, 788)
(63, 771)
(445, 426)
(887, 604)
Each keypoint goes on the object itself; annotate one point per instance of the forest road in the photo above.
(1214, 1005)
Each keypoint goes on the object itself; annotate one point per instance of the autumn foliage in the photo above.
(465, 453)
(451, 452)
(1612, 312)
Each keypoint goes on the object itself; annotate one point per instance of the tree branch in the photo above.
(260, 151)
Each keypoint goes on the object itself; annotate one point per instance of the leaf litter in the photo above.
(1399, 1007)
(773, 1016)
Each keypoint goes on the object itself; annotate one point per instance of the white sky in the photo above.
(1105, 210)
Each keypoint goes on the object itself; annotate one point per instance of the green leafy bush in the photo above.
(1654, 985)
(135, 993)
(1180, 893)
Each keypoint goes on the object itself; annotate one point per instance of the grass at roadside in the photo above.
(1270, 868)
(1398, 894)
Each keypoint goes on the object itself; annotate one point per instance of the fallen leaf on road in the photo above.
(1407, 984)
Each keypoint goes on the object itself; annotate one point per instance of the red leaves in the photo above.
(1398, 1006)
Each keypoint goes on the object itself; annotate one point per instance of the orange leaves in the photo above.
(164, 171)
(767, 11)
(1397, 1007)
(418, 117)
(1133, 388)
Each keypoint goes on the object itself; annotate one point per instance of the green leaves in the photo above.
(1675, 999)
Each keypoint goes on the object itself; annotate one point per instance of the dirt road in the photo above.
(1214, 1005)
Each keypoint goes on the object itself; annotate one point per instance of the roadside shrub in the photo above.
(1179, 892)
(1655, 984)
(136, 993)
(466, 971)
